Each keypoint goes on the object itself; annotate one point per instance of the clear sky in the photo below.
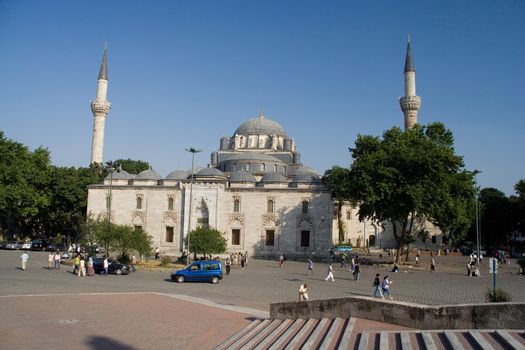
(186, 73)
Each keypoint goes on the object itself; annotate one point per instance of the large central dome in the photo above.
(260, 126)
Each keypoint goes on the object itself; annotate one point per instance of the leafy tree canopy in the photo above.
(206, 241)
(410, 176)
(132, 166)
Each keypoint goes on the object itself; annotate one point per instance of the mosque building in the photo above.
(256, 191)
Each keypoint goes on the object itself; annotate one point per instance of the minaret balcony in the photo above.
(98, 107)
(410, 102)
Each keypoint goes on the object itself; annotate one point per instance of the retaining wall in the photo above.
(466, 316)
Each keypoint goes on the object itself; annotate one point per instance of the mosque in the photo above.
(256, 191)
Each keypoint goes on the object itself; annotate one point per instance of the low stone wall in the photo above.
(467, 316)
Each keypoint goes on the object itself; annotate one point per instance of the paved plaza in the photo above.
(158, 313)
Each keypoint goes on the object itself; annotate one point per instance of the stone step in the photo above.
(335, 334)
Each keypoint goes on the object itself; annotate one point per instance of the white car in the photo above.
(26, 245)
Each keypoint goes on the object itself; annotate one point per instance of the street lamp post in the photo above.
(111, 167)
(192, 150)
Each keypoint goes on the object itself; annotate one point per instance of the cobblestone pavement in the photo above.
(262, 282)
(44, 308)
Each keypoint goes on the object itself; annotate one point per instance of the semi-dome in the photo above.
(210, 172)
(260, 126)
(120, 175)
(274, 177)
(148, 174)
(178, 175)
(242, 176)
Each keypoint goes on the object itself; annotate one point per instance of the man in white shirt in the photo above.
(303, 292)
(24, 258)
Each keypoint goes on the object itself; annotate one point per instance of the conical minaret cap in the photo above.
(409, 61)
(103, 74)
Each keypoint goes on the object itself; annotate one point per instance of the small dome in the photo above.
(304, 177)
(120, 175)
(210, 172)
(260, 126)
(178, 175)
(274, 177)
(148, 174)
(242, 176)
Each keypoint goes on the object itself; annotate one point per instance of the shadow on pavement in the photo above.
(104, 343)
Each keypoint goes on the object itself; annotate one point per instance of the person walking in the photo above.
(385, 286)
(432, 265)
(50, 260)
(243, 261)
(310, 266)
(303, 292)
(133, 263)
(281, 261)
(82, 268)
(106, 266)
(343, 261)
(90, 268)
(330, 274)
(228, 264)
(24, 257)
(77, 264)
(157, 252)
(56, 258)
(417, 257)
(377, 287)
(357, 271)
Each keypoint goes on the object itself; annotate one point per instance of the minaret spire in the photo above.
(103, 74)
(100, 108)
(410, 103)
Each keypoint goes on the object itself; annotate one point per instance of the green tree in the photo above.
(495, 219)
(119, 239)
(24, 178)
(408, 177)
(206, 241)
(337, 179)
(132, 166)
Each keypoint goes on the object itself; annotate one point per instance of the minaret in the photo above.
(410, 103)
(100, 108)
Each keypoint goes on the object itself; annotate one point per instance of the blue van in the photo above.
(208, 271)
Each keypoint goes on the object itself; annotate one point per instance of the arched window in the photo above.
(236, 206)
(270, 206)
(170, 203)
(275, 167)
(263, 167)
(247, 166)
(305, 207)
(139, 202)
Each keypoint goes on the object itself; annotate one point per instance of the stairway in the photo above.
(327, 334)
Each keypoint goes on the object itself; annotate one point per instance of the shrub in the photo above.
(165, 261)
(521, 262)
(346, 244)
(124, 258)
(497, 295)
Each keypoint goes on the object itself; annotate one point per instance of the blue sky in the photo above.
(186, 73)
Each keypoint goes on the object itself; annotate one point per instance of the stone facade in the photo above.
(257, 194)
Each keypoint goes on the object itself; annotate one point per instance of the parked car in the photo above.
(40, 244)
(12, 245)
(26, 245)
(343, 249)
(114, 267)
(208, 270)
(53, 247)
